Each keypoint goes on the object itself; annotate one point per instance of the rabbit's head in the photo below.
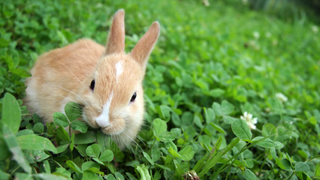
(113, 92)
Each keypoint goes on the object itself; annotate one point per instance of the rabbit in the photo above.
(105, 81)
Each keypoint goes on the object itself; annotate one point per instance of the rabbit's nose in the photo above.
(104, 119)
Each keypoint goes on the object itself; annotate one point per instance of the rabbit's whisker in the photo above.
(71, 92)
(72, 73)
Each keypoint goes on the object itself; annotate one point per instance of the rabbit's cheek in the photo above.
(87, 116)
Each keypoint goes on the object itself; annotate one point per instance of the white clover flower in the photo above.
(281, 97)
(248, 118)
(256, 34)
(314, 29)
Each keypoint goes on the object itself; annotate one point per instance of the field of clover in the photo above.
(231, 93)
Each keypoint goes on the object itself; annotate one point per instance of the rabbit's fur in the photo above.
(66, 74)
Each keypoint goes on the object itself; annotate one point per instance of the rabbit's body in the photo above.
(106, 82)
(60, 72)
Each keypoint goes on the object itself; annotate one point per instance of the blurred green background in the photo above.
(240, 51)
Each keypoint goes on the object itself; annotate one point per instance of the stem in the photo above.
(235, 156)
(56, 162)
(200, 132)
(290, 176)
(15, 169)
(70, 131)
(235, 159)
(71, 155)
(264, 161)
(7, 164)
(313, 158)
(153, 145)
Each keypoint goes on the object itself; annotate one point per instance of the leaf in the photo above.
(111, 167)
(269, 130)
(224, 109)
(174, 153)
(283, 164)
(45, 176)
(24, 132)
(197, 121)
(171, 144)
(160, 126)
(62, 148)
(167, 136)
(61, 172)
(15, 149)
(21, 72)
(146, 155)
(143, 171)
(186, 153)
(131, 177)
(177, 166)
(89, 164)
(73, 166)
(95, 170)
(218, 128)
(86, 138)
(282, 133)
(302, 167)
(93, 150)
(3, 43)
(216, 92)
(4, 175)
(162, 167)
(317, 170)
(229, 120)
(266, 143)
(12, 62)
(214, 160)
(118, 176)
(79, 126)
(11, 113)
(60, 119)
(248, 174)
(5, 152)
(209, 114)
(62, 134)
(107, 155)
(155, 154)
(241, 129)
(46, 166)
(164, 112)
(3, 72)
(39, 128)
(73, 111)
(22, 176)
(34, 142)
(36, 118)
(110, 177)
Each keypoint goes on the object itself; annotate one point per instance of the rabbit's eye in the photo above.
(92, 85)
(133, 97)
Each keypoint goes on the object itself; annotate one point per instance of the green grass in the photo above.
(210, 65)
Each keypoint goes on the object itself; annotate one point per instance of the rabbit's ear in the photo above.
(115, 43)
(142, 50)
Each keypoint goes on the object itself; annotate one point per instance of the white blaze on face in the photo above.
(103, 119)
(119, 69)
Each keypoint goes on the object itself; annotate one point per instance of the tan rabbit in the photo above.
(105, 81)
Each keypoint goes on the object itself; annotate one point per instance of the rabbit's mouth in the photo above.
(116, 126)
